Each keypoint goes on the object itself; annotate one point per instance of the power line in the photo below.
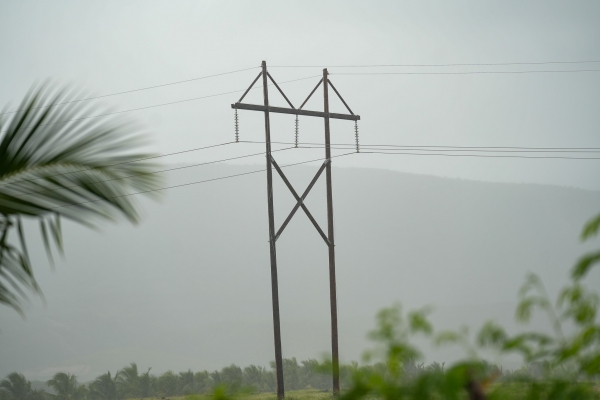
(410, 150)
(343, 66)
(156, 172)
(124, 162)
(437, 65)
(347, 147)
(478, 155)
(450, 148)
(480, 147)
(197, 182)
(303, 66)
(131, 91)
(468, 72)
(431, 152)
(460, 155)
(162, 104)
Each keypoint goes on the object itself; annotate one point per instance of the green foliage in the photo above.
(66, 387)
(106, 387)
(147, 384)
(255, 377)
(16, 387)
(202, 382)
(586, 262)
(166, 385)
(130, 382)
(186, 382)
(231, 378)
(56, 161)
(591, 228)
(558, 365)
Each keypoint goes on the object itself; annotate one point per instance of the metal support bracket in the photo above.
(296, 111)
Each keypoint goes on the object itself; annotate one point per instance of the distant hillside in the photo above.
(190, 287)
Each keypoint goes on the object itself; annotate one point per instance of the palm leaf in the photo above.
(60, 161)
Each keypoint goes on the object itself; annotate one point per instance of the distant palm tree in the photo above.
(17, 386)
(292, 373)
(58, 160)
(312, 373)
(129, 380)
(216, 378)
(232, 377)
(147, 384)
(66, 387)
(254, 376)
(105, 388)
(186, 382)
(167, 384)
(202, 381)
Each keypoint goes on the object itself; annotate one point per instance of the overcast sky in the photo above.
(109, 47)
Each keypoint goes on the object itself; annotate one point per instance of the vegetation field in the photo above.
(509, 391)
(306, 394)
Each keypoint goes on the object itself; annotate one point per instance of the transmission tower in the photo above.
(274, 235)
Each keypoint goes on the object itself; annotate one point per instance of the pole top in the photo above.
(325, 71)
(264, 63)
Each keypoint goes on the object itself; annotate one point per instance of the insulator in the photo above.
(237, 127)
(296, 131)
(356, 136)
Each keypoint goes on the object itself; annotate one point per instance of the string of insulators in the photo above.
(356, 136)
(296, 132)
(237, 127)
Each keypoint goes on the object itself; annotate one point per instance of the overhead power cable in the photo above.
(199, 182)
(124, 162)
(132, 90)
(435, 152)
(348, 147)
(334, 66)
(478, 155)
(392, 149)
(458, 148)
(482, 147)
(158, 172)
(304, 66)
(437, 65)
(164, 104)
(468, 72)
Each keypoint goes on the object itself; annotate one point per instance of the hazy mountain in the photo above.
(190, 286)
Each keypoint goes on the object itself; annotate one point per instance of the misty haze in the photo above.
(464, 158)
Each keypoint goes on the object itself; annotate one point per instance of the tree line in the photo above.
(129, 382)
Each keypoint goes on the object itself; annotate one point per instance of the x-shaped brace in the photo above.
(300, 200)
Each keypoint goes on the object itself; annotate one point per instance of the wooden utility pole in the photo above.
(332, 286)
(273, 250)
(274, 235)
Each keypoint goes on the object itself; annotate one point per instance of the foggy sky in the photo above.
(110, 47)
(139, 274)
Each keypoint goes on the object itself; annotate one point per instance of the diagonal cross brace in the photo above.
(250, 87)
(340, 96)
(280, 91)
(300, 200)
